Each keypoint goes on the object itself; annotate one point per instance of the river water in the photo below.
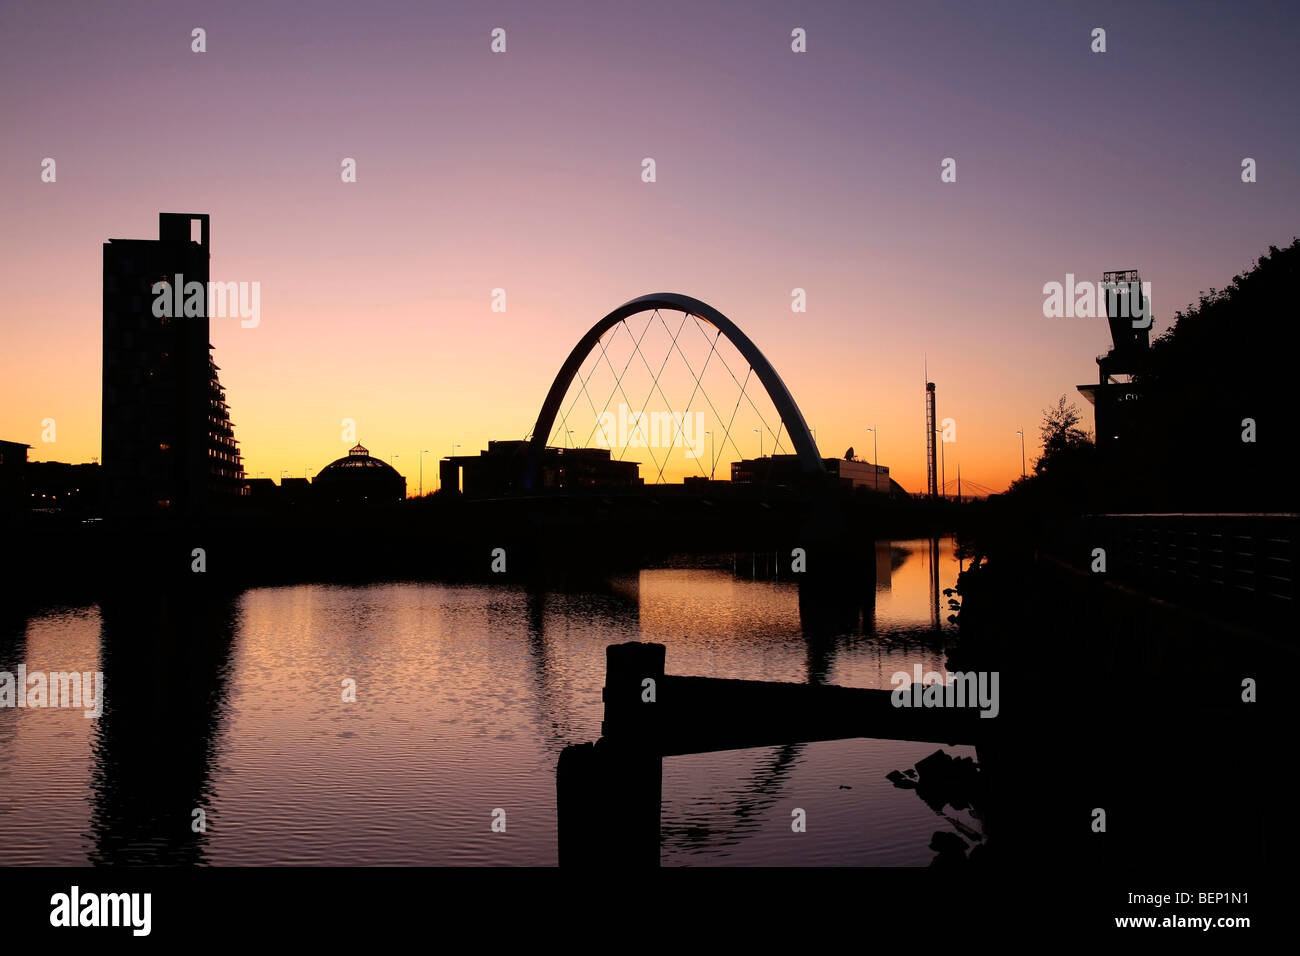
(225, 738)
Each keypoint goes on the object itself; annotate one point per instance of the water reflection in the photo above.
(167, 665)
(13, 652)
(465, 697)
(716, 820)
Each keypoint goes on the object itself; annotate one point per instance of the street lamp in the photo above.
(875, 459)
(454, 446)
(423, 452)
(760, 442)
(712, 458)
(1021, 433)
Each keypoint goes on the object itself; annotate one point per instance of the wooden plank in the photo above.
(671, 714)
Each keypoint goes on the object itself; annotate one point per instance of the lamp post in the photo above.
(423, 452)
(760, 442)
(1021, 433)
(712, 458)
(875, 459)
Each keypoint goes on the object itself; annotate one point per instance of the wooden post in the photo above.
(608, 794)
(628, 752)
(578, 806)
(607, 801)
(634, 674)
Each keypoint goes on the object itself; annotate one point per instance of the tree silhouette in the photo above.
(1227, 359)
(1065, 444)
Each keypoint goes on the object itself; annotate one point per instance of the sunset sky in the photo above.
(522, 171)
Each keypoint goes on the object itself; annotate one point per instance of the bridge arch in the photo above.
(805, 447)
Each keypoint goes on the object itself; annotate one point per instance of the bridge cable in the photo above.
(583, 386)
(654, 384)
(744, 394)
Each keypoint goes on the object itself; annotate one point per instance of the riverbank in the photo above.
(1135, 733)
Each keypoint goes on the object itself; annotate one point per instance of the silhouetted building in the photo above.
(57, 486)
(168, 442)
(786, 470)
(1115, 411)
(290, 492)
(298, 491)
(262, 491)
(500, 469)
(1116, 400)
(13, 479)
(356, 478)
(859, 474)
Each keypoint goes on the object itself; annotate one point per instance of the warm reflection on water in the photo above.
(465, 696)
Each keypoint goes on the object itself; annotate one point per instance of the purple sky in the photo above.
(775, 170)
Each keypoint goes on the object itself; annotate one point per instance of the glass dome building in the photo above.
(358, 479)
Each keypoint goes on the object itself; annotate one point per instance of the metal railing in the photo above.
(1242, 564)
